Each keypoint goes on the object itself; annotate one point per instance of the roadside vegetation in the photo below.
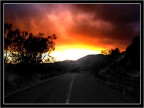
(24, 55)
(119, 70)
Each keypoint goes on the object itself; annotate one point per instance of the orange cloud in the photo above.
(78, 27)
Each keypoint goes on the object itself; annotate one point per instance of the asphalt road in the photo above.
(67, 89)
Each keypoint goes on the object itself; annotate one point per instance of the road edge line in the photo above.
(40, 82)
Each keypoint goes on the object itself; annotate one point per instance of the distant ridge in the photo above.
(92, 58)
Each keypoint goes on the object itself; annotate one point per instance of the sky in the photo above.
(81, 29)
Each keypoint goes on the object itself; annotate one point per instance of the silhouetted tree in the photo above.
(115, 52)
(35, 46)
(105, 52)
(7, 39)
(24, 47)
(112, 52)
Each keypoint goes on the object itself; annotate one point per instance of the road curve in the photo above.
(69, 88)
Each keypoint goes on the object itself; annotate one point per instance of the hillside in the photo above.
(125, 64)
(92, 58)
(93, 63)
(120, 71)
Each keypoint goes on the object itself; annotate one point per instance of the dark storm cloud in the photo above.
(124, 13)
(14, 11)
(26, 10)
(125, 18)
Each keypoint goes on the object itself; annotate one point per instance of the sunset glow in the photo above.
(81, 29)
(73, 52)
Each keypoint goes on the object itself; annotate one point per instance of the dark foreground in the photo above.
(67, 89)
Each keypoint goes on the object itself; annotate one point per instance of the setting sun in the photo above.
(73, 52)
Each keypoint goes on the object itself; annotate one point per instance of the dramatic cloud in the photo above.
(123, 17)
(96, 25)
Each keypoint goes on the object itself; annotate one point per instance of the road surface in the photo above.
(69, 88)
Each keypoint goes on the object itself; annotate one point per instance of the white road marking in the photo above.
(69, 93)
